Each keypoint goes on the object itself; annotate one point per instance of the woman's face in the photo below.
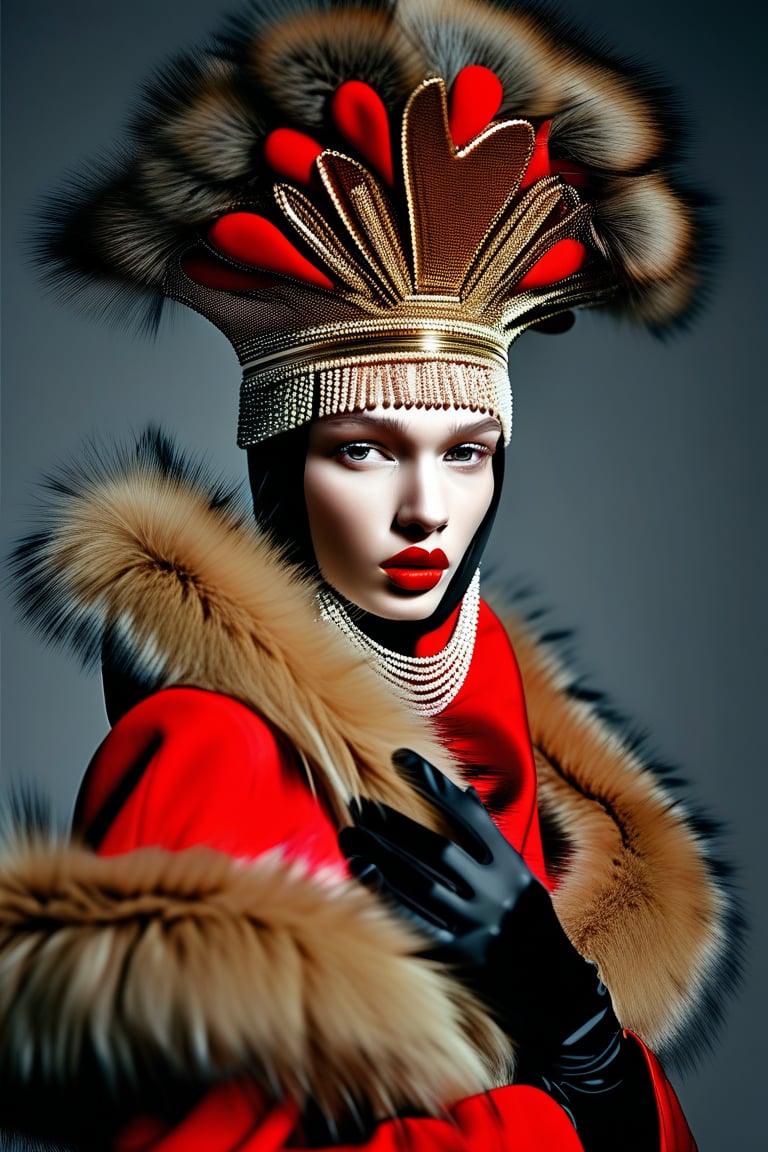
(394, 498)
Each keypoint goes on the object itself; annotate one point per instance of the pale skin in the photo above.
(383, 481)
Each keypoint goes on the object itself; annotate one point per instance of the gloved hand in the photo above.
(483, 912)
(479, 906)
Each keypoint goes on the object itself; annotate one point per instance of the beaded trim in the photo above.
(427, 684)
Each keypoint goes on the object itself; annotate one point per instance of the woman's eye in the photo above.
(468, 454)
(359, 453)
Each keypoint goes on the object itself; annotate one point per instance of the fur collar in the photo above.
(141, 555)
(641, 888)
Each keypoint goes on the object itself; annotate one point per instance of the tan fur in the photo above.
(218, 131)
(603, 123)
(464, 32)
(637, 896)
(302, 59)
(647, 226)
(658, 300)
(116, 219)
(594, 109)
(203, 970)
(171, 191)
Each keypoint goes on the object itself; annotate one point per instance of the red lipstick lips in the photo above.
(416, 569)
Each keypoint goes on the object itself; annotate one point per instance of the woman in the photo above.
(200, 970)
(228, 987)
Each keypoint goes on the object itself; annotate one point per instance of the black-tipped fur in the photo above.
(48, 601)
(557, 649)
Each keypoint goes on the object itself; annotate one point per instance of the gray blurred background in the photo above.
(636, 473)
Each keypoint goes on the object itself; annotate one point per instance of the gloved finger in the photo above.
(493, 874)
(463, 809)
(372, 813)
(366, 872)
(364, 844)
(407, 880)
(369, 875)
(428, 850)
(397, 861)
(401, 830)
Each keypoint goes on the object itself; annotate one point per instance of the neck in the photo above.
(430, 679)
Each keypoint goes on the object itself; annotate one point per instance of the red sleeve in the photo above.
(516, 1119)
(187, 767)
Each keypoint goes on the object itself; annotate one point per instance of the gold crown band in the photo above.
(396, 344)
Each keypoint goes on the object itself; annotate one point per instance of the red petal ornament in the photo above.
(563, 259)
(205, 270)
(359, 114)
(253, 239)
(292, 154)
(476, 96)
(539, 165)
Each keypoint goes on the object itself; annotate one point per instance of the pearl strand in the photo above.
(427, 684)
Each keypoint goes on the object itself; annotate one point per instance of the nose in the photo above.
(422, 506)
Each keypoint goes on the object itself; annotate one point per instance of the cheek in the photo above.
(471, 504)
(336, 520)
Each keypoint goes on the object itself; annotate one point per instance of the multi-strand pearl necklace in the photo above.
(427, 684)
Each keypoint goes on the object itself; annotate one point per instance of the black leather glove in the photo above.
(479, 906)
(483, 912)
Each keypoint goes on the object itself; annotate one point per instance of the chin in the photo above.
(415, 609)
(403, 606)
(395, 605)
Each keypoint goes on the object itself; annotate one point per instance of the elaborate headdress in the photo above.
(373, 199)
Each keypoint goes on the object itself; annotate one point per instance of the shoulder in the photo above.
(491, 629)
(191, 713)
(193, 719)
(495, 646)
(193, 735)
(186, 767)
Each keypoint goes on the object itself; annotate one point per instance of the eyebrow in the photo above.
(397, 421)
(490, 424)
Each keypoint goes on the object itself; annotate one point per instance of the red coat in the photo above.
(213, 773)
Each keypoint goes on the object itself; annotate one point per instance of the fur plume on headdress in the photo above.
(194, 147)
